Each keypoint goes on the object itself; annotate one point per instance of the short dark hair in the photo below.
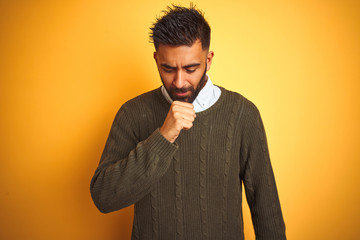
(180, 26)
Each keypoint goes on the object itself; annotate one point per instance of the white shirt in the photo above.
(207, 97)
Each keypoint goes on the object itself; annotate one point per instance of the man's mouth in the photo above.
(181, 93)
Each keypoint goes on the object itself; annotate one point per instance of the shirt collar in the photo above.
(205, 95)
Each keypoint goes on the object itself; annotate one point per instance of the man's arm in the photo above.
(128, 168)
(259, 181)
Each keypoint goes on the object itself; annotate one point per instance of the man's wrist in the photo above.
(166, 136)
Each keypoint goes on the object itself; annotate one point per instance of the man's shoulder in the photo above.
(238, 99)
(248, 113)
(144, 99)
(141, 106)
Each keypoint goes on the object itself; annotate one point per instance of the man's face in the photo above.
(183, 69)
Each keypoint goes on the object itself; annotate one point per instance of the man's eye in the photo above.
(168, 70)
(190, 70)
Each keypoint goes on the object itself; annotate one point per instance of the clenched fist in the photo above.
(180, 116)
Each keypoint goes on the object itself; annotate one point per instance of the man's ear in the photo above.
(209, 58)
(155, 57)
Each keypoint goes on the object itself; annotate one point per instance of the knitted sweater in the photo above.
(189, 189)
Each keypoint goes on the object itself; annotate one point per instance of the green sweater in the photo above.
(189, 189)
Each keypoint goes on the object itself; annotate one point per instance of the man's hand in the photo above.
(180, 116)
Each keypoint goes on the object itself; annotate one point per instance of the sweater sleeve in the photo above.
(259, 180)
(128, 167)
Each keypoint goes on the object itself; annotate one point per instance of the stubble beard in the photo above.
(194, 92)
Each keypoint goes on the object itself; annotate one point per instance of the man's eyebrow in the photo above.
(187, 66)
(192, 65)
(167, 66)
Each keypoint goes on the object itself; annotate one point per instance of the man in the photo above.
(181, 152)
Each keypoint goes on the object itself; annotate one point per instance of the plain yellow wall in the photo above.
(67, 66)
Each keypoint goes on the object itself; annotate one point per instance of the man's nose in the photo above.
(179, 80)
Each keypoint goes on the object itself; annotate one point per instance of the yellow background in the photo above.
(67, 66)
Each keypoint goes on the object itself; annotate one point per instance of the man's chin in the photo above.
(185, 98)
(181, 99)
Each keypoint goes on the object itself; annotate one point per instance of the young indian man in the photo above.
(181, 152)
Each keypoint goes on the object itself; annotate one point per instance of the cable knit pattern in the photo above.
(203, 173)
(154, 214)
(230, 134)
(189, 189)
(178, 201)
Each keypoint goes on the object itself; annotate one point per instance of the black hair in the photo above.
(180, 26)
